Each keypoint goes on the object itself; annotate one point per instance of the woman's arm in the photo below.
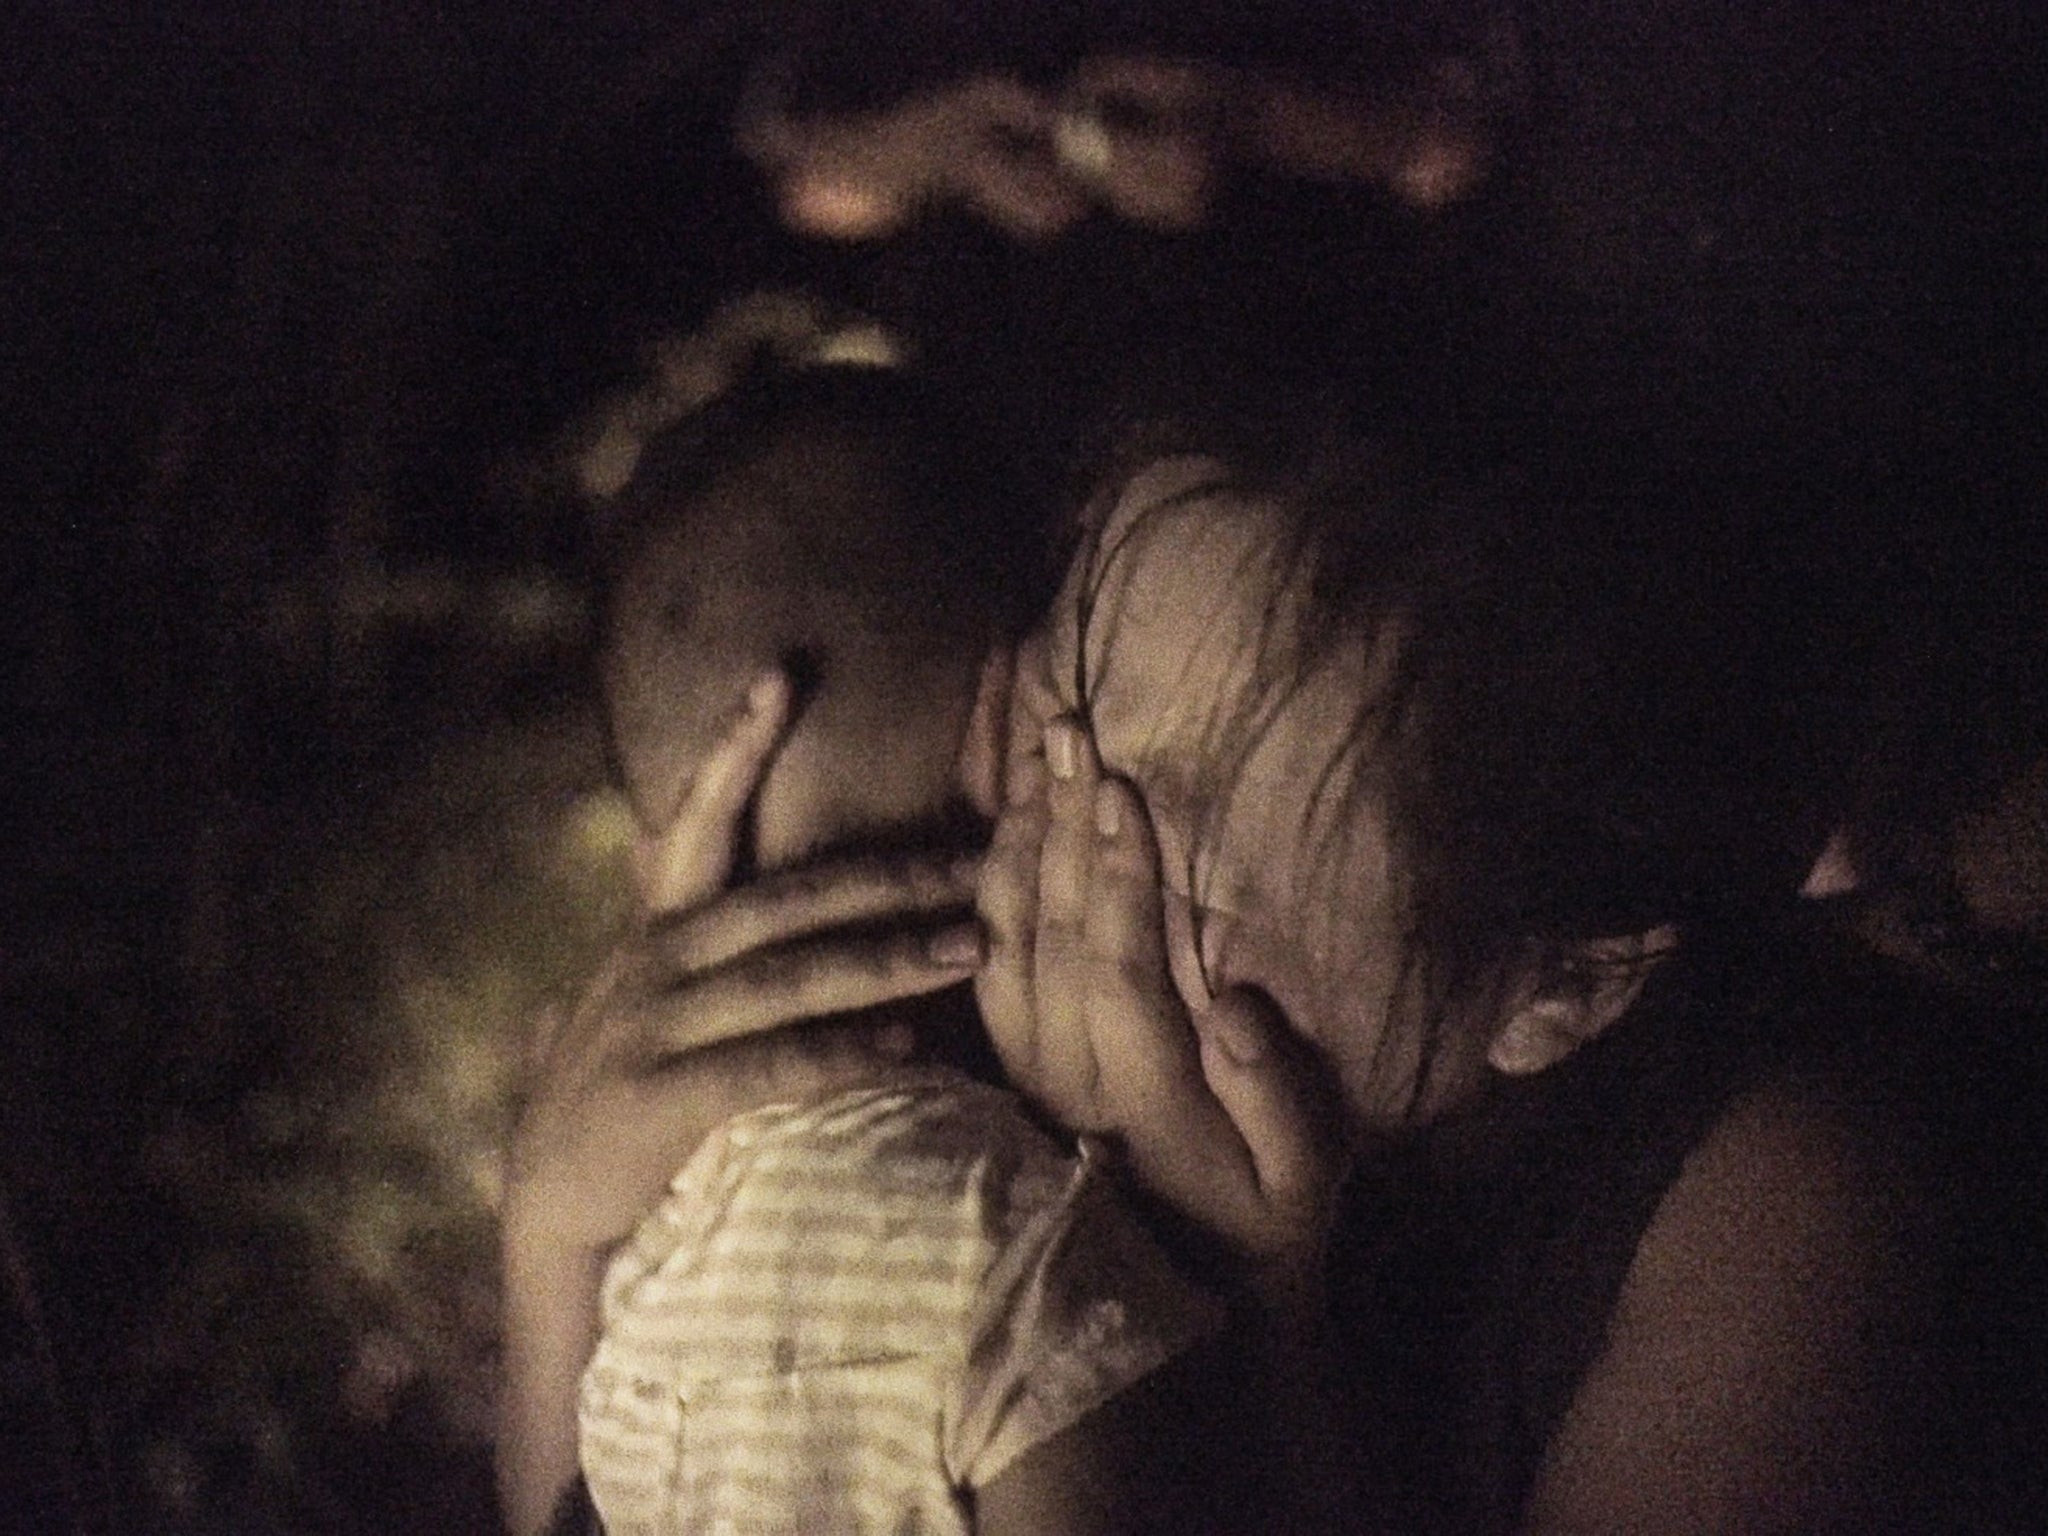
(1764, 1344)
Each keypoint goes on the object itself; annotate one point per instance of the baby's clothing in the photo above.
(849, 1314)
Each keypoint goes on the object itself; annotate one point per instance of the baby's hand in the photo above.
(1221, 1111)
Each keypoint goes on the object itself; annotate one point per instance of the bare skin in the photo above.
(688, 1024)
(681, 1029)
(1079, 997)
(1757, 1334)
(1762, 1339)
(1762, 1345)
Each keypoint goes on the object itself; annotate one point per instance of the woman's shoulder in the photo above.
(1796, 1199)
(1772, 1331)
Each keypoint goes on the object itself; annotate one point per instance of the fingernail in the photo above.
(1062, 748)
(1021, 782)
(958, 947)
(1242, 1040)
(761, 692)
(1109, 811)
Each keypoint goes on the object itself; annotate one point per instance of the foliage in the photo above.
(333, 1317)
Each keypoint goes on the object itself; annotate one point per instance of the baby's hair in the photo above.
(957, 553)
(1607, 706)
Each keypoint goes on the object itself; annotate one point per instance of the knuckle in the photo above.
(804, 883)
(674, 943)
(1063, 923)
(785, 967)
(905, 955)
(922, 878)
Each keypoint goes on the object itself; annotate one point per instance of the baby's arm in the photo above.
(1153, 1458)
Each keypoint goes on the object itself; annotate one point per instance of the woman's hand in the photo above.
(1221, 1112)
(1131, 133)
(682, 1026)
(680, 1030)
(1220, 1109)
(1142, 136)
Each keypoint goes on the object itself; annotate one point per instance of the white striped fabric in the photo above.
(848, 1314)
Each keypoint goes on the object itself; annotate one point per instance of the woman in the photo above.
(1364, 805)
(1629, 1244)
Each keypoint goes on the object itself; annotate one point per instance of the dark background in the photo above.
(283, 290)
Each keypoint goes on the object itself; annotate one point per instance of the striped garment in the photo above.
(848, 1314)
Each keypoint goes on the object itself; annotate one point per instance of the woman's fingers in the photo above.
(1228, 1115)
(1141, 133)
(1284, 1113)
(1123, 929)
(1033, 701)
(984, 140)
(994, 150)
(809, 978)
(867, 891)
(1067, 858)
(691, 859)
(1021, 191)
(996, 106)
(1133, 1012)
(1065, 979)
(1119, 994)
(1008, 904)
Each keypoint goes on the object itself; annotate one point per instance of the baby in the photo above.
(901, 1306)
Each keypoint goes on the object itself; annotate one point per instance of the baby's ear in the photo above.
(1577, 1002)
(978, 770)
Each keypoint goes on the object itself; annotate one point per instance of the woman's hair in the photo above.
(1613, 702)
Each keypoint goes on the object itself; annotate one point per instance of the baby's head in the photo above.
(850, 525)
(1442, 777)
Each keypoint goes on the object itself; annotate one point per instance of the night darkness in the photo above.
(302, 767)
